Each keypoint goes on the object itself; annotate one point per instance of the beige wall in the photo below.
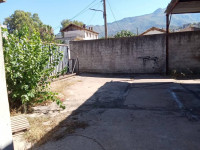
(153, 32)
(5, 127)
(85, 35)
(90, 35)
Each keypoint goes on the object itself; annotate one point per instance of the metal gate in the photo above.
(71, 64)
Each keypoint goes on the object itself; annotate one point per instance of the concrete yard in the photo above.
(131, 112)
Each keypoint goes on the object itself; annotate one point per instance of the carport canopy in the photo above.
(183, 6)
(1, 1)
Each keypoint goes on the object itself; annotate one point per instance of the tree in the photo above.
(21, 18)
(124, 33)
(28, 67)
(46, 33)
(66, 22)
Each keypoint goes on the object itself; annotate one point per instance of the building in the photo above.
(74, 32)
(189, 28)
(59, 36)
(153, 30)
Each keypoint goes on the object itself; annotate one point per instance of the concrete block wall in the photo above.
(184, 52)
(144, 54)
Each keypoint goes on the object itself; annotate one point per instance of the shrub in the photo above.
(28, 67)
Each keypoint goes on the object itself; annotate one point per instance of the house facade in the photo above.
(74, 33)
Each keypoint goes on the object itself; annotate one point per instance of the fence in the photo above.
(66, 62)
(64, 49)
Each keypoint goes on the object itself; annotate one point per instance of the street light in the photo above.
(96, 10)
(104, 16)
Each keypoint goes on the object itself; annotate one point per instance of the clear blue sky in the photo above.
(52, 12)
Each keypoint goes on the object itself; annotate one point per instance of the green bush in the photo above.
(124, 33)
(28, 68)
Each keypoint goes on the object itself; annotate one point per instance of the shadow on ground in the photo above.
(140, 112)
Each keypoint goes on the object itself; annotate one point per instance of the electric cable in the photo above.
(81, 12)
(120, 28)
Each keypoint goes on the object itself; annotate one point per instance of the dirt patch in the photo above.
(60, 86)
(37, 129)
(55, 129)
(41, 126)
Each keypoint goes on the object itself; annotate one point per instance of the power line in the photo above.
(81, 12)
(114, 15)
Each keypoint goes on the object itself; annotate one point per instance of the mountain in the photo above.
(144, 22)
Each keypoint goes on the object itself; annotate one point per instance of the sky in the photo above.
(52, 12)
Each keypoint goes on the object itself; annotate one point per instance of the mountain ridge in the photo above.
(144, 22)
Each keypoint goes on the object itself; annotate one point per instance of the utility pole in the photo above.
(105, 19)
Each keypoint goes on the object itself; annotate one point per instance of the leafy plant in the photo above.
(29, 67)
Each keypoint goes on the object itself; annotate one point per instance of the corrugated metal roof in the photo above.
(1, 1)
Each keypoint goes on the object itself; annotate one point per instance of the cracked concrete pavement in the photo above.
(138, 112)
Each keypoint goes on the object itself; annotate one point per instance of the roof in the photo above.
(79, 27)
(152, 29)
(183, 6)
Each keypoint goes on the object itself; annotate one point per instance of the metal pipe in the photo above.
(167, 44)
